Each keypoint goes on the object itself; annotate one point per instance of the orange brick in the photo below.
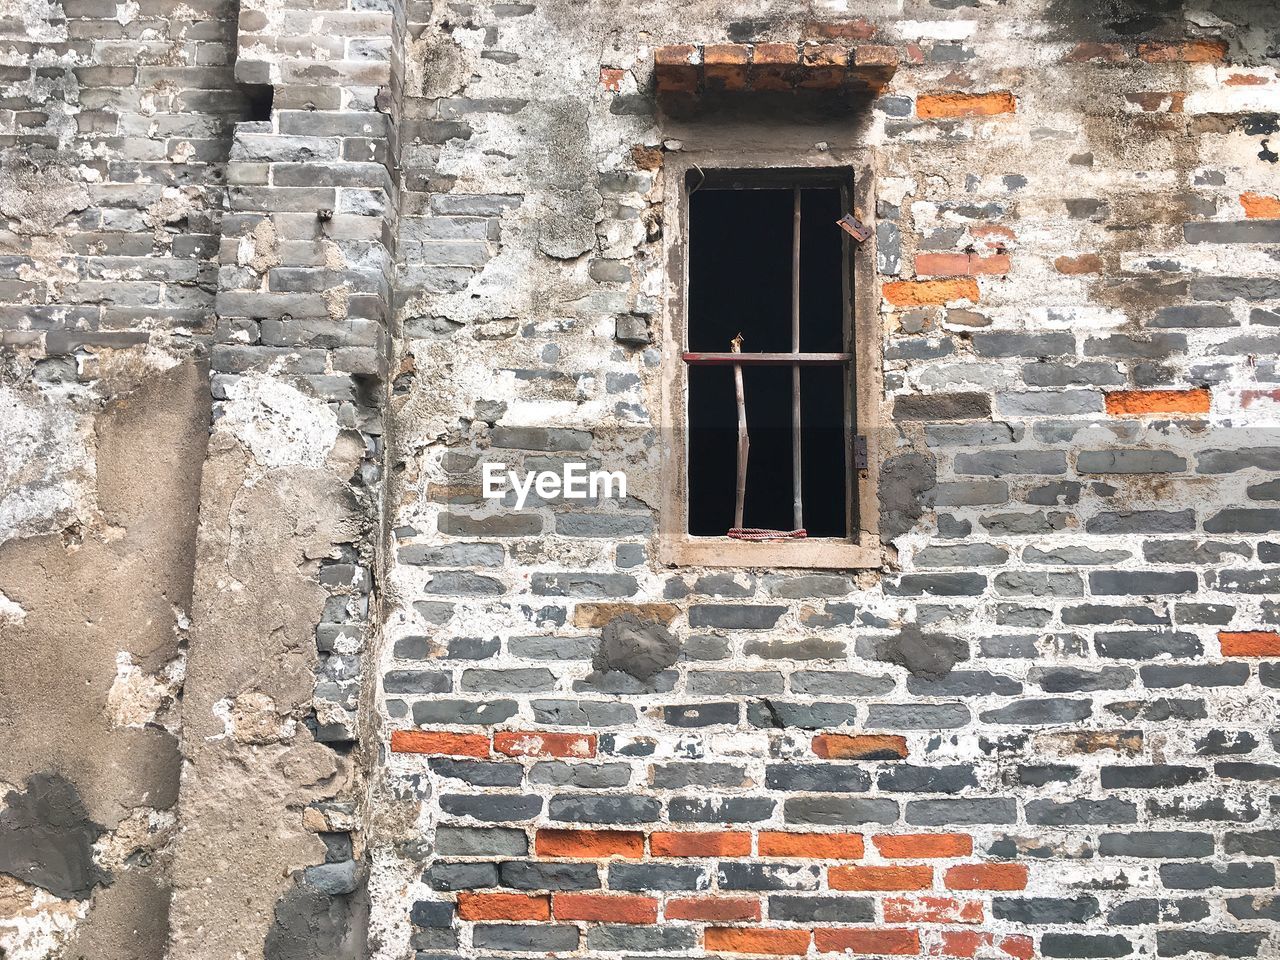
(880, 878)
(605, 908)
(725, 65)
(1084, 263)
(715, 909)
(1138, 402)
(589, 844)
(814, 846)
(970, 943)
(919, 846)
(780, 54)
(931, 910)
(503, 906)
(859, 29)
(440, 743)
(986, 876)
(1107, 52)
(1192, 51)
(1260, 206)
(700, 844)
(611, 78)
(745, 940)
(1246, 80)
(925, 293)
(935, 106)
(942, 265)
(861, 941)
(515, 743)
(675, 68)
(588, 615)
(996, 264)
(862, 746)
(1250, 643)
(773, 66)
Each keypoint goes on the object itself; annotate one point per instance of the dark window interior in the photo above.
(740, 282)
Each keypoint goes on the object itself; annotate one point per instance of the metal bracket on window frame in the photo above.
(860, 452)
(854, 227)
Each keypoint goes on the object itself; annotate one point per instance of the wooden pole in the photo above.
(797, 504)
(744, 441)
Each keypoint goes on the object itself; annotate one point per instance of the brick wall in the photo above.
(1039, 730)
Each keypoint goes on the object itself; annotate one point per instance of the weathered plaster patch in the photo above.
(46, 838)
(46, 473)
(33, 922)
(37, 193)
(280, 425)
(136, 698)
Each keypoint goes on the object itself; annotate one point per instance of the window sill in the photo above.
(805, 554)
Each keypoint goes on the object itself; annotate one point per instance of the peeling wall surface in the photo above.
(278, 278)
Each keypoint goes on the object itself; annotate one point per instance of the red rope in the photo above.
(754, 533)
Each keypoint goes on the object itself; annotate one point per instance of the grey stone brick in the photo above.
(461, 876)
(478, 773)
(539, 937)
(1249, 581)
(971, 434)
(1142, 582)
(1240, 231)
(838, 810)
(767, 876)
(820, 909)
(582, 713)
(480, 842)
(1195, 316)
(1085, 945)
(540, 438)
(1154, 346)
(1217, 943)
(1151, 911)
(1244, 457)
(807, 586)
(945, 778)
(937, 585)
(1146, 644)
(583, 585)
(1035, 712)
(671, 939)
(961, 812)
(1243, 521)
(781, 714)
(701, 714)
(837, 683)
(509, 680)
(719, 809)
(1088, 614)
(527, 875)
(1164, 845)
(808, 648)
(1045, 910)
(1076, 812)
(1195, 675)
(1076, 680)
(1142, 521)
(747, 683)
(599, 808)
(1040, 403)
(1032, 583)
(917, 716)
(964, 683)
(1203, 876)
(589, 776)
(816, 778)
(961, 555)
(1129, 461)
(942, 406)
(417, 681)
(644, 877)
(999, 463)
(734, 616)
(552, 647)
(677, 776)
(1255, 843)
(432, 712)
(1004, 344)
(492, 807)
(1190, 553)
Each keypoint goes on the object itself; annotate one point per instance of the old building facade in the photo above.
(280, 278)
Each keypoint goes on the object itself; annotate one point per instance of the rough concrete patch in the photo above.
(906, 482)
(45, 468)
(136, 698)
(561, 165)
(38, 193)
(641, 648)
(33, 922)
(436, 66)
(931, 656)
(280, 425)
(310, 923)
(46, 838)
(259, 250)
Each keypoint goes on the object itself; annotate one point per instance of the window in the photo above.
(764, 269)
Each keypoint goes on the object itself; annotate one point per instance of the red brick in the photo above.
(605, 908)
(774, 66)
(925, 293)
(919, 846)
(995, 265)
(859, 29)
(986, 876)
(725, 65)
(971, 943)
(942, 265)
(879, 941)
(715, 909)
(440, 743)
(675, 69)
(880, 878)
(931, 910)
(700, 844)
(1191, 51)
(1106, 52)
(611, 78)
(589, 844)
(1139, 402)
(863, 746)
(754, 940)
(1084, 263)
(1250, 643)
(503, 906)
(812, 846)
(515, 743)
(946, 105)
(1260, 206)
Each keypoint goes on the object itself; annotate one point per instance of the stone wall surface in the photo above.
(278, 278)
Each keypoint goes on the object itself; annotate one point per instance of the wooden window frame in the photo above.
(676, 546)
